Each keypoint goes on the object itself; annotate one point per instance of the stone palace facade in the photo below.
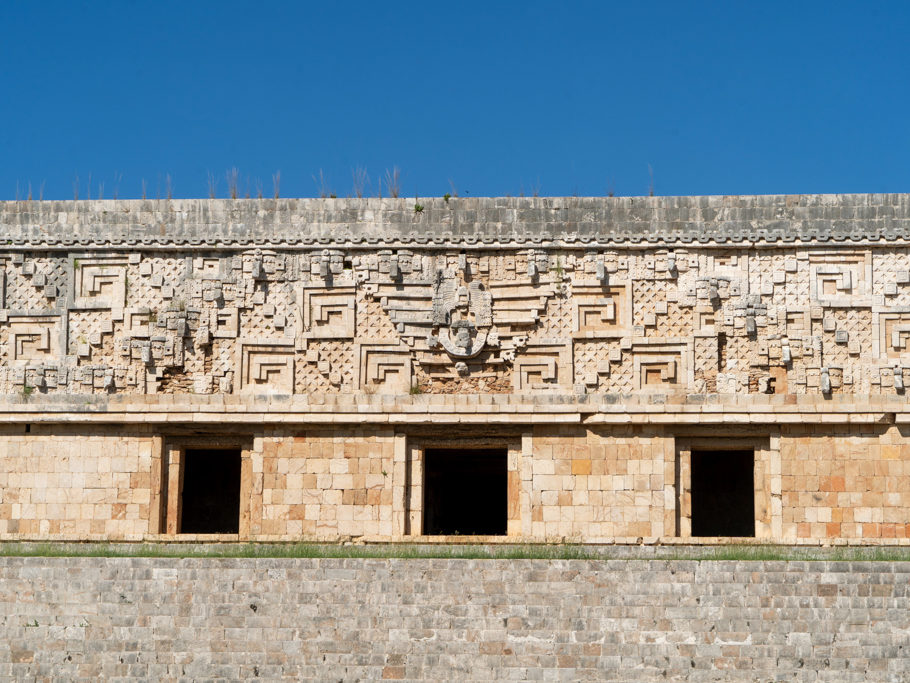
(656, 370)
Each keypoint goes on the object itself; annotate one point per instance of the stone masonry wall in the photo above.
(69, 483)
(846, 482)
(82, 619)
(324, 483)
(600, 483)
(597, 484)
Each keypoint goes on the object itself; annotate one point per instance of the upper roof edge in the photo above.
(429, 222)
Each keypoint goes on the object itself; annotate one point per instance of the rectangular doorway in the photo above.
(210, 497)
(465, 492)
(723, 493)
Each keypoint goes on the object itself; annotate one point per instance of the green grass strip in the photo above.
(292, 550)
(756, 553)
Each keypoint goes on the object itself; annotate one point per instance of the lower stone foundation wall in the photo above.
(356, 619)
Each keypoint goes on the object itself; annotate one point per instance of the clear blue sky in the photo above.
(499, 98)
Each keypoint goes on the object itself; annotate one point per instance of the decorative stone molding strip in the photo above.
(470, 223)
(439, 409)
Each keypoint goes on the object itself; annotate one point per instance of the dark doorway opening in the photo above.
(210, 503)
(465, 492)
(723, 493)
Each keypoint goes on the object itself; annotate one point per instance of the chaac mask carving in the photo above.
(462, 316)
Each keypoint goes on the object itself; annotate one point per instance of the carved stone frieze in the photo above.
(618, 299)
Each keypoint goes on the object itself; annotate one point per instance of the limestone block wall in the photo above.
(588, 484)
(67, 482)
(846, 482)
(324, 483)
(81, 619)
(814, 483)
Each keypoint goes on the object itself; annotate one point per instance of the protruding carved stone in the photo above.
(207, 267)
(266, 367)
(226, 323)
(328, 314)
(36, 338)
(463, 312)
(99, 282)
(383, 368)
(545, 367)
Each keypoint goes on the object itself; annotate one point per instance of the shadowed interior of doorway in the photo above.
(465, 492)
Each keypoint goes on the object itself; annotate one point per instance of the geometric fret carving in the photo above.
(266, 367)
(891, 332)
(137, 322)
(35, 338)
(383, 368)
(840, 279)
(99, 282)
(601, 311)
(656, 369)
(662, 366)
(328, 313)
(543, 367)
